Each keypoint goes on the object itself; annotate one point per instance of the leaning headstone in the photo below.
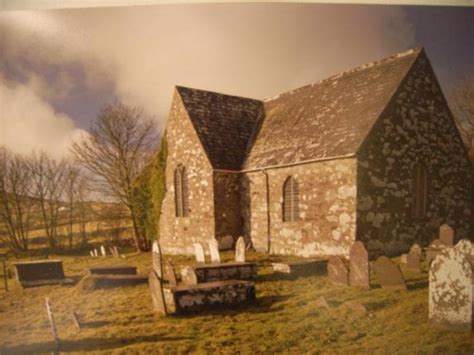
(116, 252)
(240, 250)
(435, 248)
(337, 271)
(415, 248)
(156, 290)
(450, 291)
(102, 251)
(171, 274)
(446, 235)
(359, 266)
(389, 274)
(414, 261)
(92, 253)
(52, 323)
(199, 253)
(96, 254)
(214, 251)
(156, 259)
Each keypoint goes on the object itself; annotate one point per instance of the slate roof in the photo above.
(223, 123)
(327, 119)
(330, 118)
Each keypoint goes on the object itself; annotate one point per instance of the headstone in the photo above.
(102, 251)
(116, 252)
(389, 274)
(359, 265)
(92, 253)
(188, 275)
(156, 259)
(435, 248)
(415, 248)
(464, 246)
(156, 290)
(171, 274)
(111, 251)
(96, 254)
(450, 291)
(52, 323)
(214, 251)
(403, 258)
(75, 319)
(240, 250)
(199, 252)
(414, 261)
(337, 271)
(446, 235)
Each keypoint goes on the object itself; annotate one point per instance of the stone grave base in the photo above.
(197, 298)
(201, 273)
(40, 272)
(112, 270)
(96, 282)
(300, 266)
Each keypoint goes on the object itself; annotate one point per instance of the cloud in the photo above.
(29, 123)
(141, 53)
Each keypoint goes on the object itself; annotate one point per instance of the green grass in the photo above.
(285, 318)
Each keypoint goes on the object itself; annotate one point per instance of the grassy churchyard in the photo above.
(287, 317)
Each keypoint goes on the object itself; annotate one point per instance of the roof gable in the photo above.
(223, 123)
(330, 118)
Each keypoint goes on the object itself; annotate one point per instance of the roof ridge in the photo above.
(405, 53)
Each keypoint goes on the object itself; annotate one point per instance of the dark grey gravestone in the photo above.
(389, 274)
(337, 271)
(359, 266)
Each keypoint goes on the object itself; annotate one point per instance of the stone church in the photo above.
(371, 154)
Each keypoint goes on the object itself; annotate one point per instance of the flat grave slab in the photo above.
(299, 266)
(200, 273)
(40, 272)
(95, 282)
(112, 270)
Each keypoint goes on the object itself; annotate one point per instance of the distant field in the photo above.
(284, 319)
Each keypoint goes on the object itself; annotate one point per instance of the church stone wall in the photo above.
(416, 127)
(184, 147)
(327, 204)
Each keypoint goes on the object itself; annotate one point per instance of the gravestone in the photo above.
(199, 252)
(214, 251)
(92, 253)
(359, 265)
(450, 291)
(156, 291)
(171, 274)
(240, 250)
(446, 235)
(435, 248)
(52, 323)
(403, 258)
(337, 271)
(389, 274)
(95, 253)
(102, 251)
(116, 252)
(464, 246)
(414, 261)
(75, 320)
(156, 259)
(111, 250)
(415, 248)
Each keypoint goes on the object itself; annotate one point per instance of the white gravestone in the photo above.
(102, 251)
(156, 259)
(199, 252)
(214, 251)
(240, 250)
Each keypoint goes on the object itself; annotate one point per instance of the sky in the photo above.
(59, 67)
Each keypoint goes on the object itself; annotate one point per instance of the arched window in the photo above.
(420, 191)
(291, 211)
(181, 192)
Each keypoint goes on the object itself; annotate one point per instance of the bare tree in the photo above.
(48, 178)
(119, 143)
(462, 102)
(72, 176)
(15, 204)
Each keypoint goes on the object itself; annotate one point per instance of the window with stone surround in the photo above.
(181, 192)
(420, 191)
(291, 211)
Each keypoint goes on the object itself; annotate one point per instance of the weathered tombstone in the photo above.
(415, 248)
(464, 246)
(450, 291)
(414, 261)
(240, 250)
(188, 276)
(156, 259)
(116, 252)
(96, 254)
(111, 251)
(199, 252)
(102, 251)
(92, 253)
(446, 235)
(214, 251)
(435, 248)
(156, 290)
(171, 274)
(337, 271)
(389, 274)
(52, 323)
(75, 320)
(359, 265)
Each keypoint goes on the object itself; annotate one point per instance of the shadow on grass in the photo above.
(94, 324)
(417, 284)
(88, 344)
(279, 276)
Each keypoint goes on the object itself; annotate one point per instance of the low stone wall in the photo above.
(39, 272)
(196, 298)
(199, 273)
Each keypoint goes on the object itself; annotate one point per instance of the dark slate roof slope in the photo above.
(330, 118)
(223, 123)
